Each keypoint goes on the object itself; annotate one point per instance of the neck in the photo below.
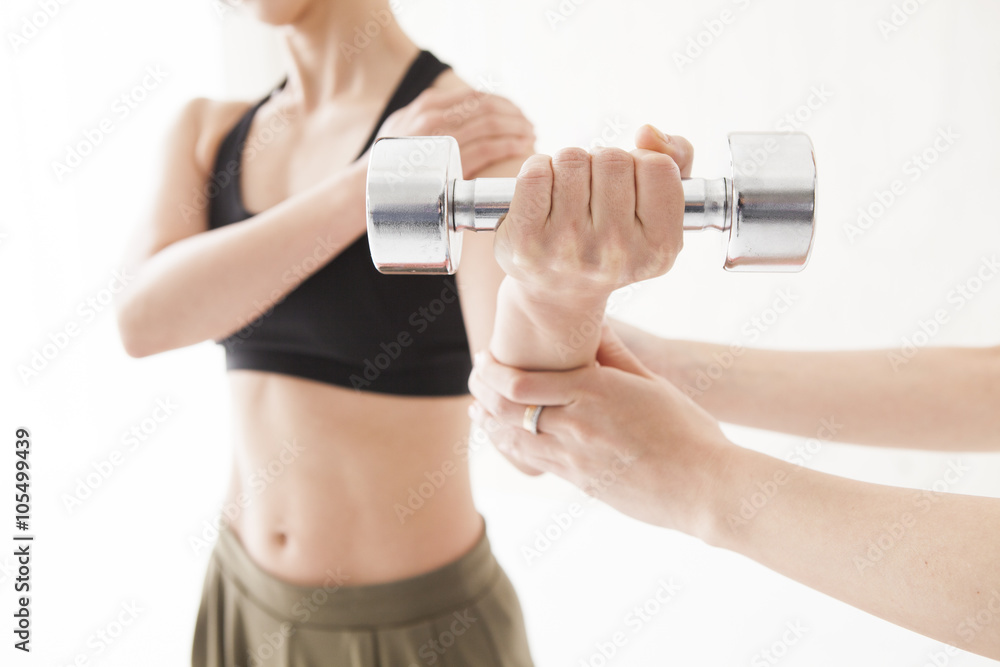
(338, 50)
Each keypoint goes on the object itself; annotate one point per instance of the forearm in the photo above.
(546, 332)
(209, 285)
(940, 398)
(925, 561)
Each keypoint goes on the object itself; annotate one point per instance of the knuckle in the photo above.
(612, 159)
(422, 123)
(507, 148)
(494, 124)
(510, 146)
(422, 102)
(488, 101)
(536, 170)
(684, 148)
(518, 387)
(502, 438)
(491, 401)
(433, 95)
(571, 159)
(660, 165)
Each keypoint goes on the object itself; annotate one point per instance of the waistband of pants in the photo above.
(336, 603)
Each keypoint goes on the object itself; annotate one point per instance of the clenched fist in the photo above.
(582, 223)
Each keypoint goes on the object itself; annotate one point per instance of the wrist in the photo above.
(346, 186)
(534, 330)
(561, 300)
(718, 517)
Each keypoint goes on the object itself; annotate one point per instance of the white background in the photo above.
(605, 64)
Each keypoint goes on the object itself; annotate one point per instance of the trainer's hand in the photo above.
(587, 224)
(616, 430)
(488, 128)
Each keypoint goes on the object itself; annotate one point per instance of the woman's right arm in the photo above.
(936, 398)
(193, 284)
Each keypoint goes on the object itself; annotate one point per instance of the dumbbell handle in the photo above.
(480, 204)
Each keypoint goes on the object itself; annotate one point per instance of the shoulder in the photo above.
(202, 123)
(448, 81)
(464, 98)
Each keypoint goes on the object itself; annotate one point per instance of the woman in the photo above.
(363, 375)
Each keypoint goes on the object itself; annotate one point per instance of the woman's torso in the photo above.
(329, 479)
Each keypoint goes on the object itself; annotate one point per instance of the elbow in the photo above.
(136, 349)
(135, 331)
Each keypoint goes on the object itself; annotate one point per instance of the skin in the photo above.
(625, 431)
(579, 227)
(941, 398)
(332, 509)
(925, 561)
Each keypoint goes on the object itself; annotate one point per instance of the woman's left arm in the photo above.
(926, 561)
(479, 276)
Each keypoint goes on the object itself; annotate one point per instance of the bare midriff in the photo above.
(346, 463)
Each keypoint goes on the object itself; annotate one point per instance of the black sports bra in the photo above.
(347, 324)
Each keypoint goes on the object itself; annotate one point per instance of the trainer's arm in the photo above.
(938, 398)
(925, 561)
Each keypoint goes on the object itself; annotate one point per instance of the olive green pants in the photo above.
(464, 613)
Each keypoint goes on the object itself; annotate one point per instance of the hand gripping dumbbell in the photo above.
(418, 204)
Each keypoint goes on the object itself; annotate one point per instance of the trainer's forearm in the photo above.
(209, 285)
(939, 398)
(943, 398)
(925, 561)
(546, 332)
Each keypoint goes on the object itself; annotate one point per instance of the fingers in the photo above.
(494, 125)
(660, 205)
(613, 195)
(512, 413)
(528, 452)
(483, 153)
(463, 104)
(532, 195)
(520, 465)
(678, 148)
(613, 353)
(529, 387)
(571, 175)
(459, 108)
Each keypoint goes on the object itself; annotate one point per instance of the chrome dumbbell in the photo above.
(418, 205)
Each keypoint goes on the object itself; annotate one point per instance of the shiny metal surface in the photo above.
(706, 204)
(481, 204)
(773, 200)
(418, 204)
(408, 203)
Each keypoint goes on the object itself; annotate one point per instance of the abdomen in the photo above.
(327, 477)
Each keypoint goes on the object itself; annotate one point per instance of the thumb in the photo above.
(680, 149)
(615, 354)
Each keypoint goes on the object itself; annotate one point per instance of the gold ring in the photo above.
(530, 420)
